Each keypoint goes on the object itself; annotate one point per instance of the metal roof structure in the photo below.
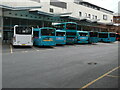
(18, 8)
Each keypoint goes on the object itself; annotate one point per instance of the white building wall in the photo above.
(45, 5)
(75, 8)
(71, 7)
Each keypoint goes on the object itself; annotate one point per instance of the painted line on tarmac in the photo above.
(24, 51)
(90, 83)
(11, 49)
(35, 49)
(113, 76)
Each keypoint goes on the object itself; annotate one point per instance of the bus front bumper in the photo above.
(82, 41)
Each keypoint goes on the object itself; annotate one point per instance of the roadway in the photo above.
(69, 66)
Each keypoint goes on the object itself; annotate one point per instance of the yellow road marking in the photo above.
(99, 78)
(11, 49)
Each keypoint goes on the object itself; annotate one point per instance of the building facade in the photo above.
(78, 9)
(116, 20)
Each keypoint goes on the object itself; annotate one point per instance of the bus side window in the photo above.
(36, 34)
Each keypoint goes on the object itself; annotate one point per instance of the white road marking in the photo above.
(11, 49)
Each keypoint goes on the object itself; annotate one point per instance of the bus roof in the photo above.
(60, 31)
(65, 23)
(107, 32)
(103, 32)
(47, 28)
(36, 29)
(83, 31)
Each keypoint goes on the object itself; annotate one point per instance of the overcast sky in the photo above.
(108, 4)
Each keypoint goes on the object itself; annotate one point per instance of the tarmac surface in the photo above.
(68, 66)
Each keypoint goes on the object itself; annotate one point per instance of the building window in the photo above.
(80, 14)
(89, 16)
(104, 17)
(58, 3)
(36, 1)
(51, 10)
(95, 17)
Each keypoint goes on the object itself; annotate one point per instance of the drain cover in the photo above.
(92, 63)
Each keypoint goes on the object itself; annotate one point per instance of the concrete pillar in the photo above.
(1, 30)
(1, 24)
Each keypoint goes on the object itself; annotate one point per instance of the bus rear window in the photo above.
(112, 35)
(103, 35)
(71, 33)
(60, 33)
(36, 34)
(93, 34)
(48, 32)
(71, 26)
(117, 35)
(23, 30)
(61, 26)
(83, 34)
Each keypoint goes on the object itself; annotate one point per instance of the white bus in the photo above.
(22, 36)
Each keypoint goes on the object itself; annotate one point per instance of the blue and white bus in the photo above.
(82, 37)
(71, 31)
(22, 36)
(107, 36)
(45, 36)
(60, 37)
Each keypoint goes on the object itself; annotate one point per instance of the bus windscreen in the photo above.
(61, 26)
(103, 35)
(23, 30)
(71, 33)
(60, 33)
(48, 32)
(112, 35)
(83, 34)
(71, 26)
(93, 34)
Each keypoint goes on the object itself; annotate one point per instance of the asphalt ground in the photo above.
(69, 66)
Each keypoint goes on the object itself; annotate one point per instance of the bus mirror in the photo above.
(16, 25)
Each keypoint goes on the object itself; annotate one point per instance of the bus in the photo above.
(45, 36)
(93, 37)
(71, 31)
(117, 36)
(107, 36)
(60, 37)
(82, 37)
(22, 36)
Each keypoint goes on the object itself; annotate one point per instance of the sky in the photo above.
(108, 4)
